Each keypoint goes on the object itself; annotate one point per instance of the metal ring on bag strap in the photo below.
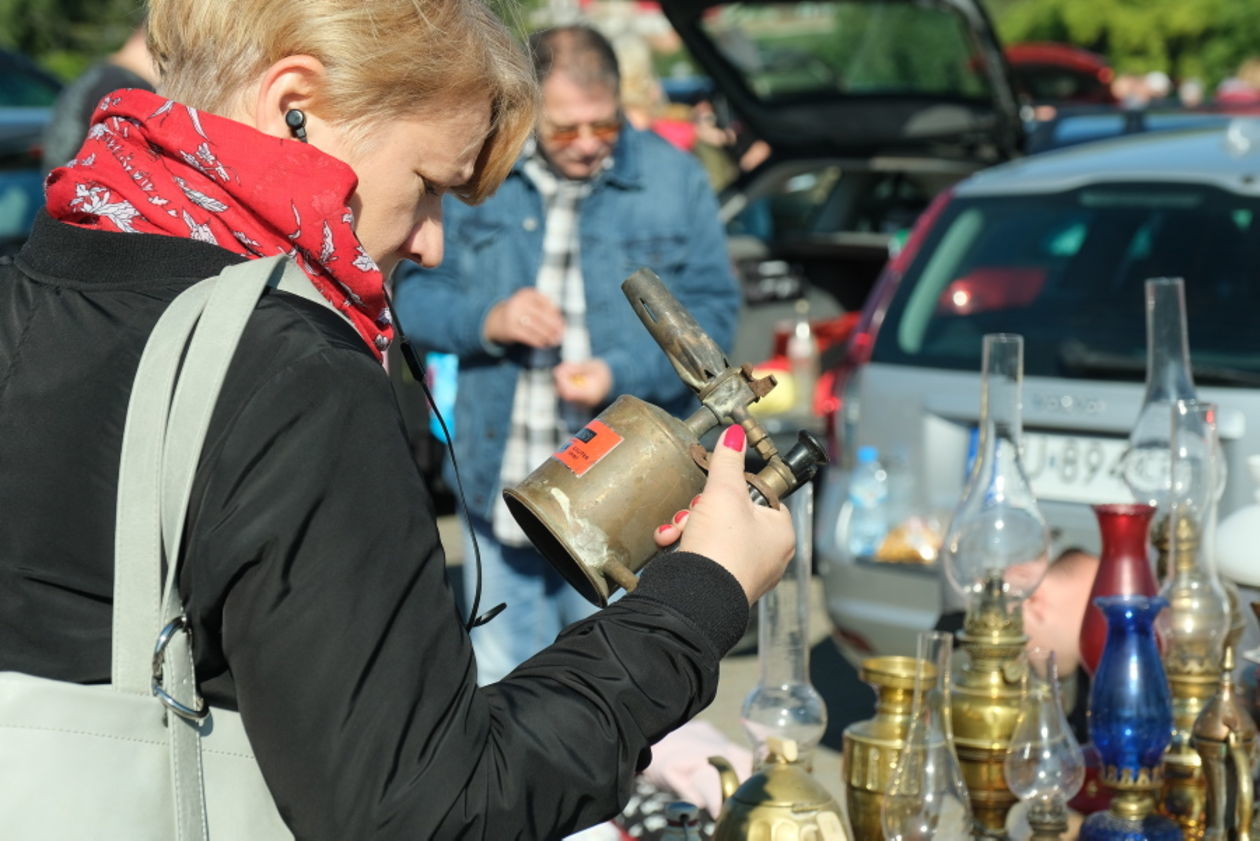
(179, 623)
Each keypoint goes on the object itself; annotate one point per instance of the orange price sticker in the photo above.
(584, 450)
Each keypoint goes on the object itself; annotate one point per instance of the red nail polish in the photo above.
(734, 437)
(694, 500)
(679, 517)
(660, 529)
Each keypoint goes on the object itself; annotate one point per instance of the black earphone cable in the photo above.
(417, 373)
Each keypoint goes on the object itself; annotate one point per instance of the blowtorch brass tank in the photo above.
(871, 747)
(591, 509)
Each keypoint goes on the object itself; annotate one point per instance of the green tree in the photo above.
(66, 35)
(1203, 38)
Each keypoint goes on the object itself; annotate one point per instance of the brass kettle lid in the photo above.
(783, 781)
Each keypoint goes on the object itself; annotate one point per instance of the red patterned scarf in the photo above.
(153, 166)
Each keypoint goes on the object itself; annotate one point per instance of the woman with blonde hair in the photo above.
(311, 571)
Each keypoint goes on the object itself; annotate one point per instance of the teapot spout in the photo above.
(726, 771)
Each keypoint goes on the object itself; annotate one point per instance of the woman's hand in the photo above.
(528, 318)
(754, 543)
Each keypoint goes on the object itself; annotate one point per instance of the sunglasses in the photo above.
(605, 130)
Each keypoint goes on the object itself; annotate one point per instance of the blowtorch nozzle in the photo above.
(696, 357)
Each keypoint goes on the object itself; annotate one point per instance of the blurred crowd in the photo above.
(1141, 90)
(689, 119)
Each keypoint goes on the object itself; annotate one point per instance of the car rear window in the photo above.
(852, 46)
(1067, 271)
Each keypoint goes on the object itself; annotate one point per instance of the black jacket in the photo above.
(312, 573)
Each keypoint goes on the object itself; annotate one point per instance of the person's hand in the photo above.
(754, 543)
(754, 155)
(527, 318)
(584, 383)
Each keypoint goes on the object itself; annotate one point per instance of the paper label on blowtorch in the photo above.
(584, 450)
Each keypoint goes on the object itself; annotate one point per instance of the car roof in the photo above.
(21, 128)
(1224, 156)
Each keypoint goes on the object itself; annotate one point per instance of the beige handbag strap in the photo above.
(168, 415)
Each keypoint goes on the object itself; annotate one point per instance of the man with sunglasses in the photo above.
(528, 297)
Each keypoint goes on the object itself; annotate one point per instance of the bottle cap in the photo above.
(867, 454)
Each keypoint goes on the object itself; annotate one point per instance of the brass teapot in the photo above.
(1225, 738)
(781, 801)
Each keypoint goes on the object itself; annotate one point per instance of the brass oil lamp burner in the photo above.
(1197, 621)
(986, 703)
(995, 553)
(871, 747)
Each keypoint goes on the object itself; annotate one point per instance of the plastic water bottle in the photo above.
(868, 497)
(802, 354)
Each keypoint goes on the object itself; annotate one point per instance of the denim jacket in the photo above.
(653, 207)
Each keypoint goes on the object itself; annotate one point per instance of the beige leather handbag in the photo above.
(143, 758)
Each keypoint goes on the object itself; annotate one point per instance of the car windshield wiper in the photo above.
(1078, 357)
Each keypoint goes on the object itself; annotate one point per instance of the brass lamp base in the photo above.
(871, 747)
(985, 705)
(1132, 812)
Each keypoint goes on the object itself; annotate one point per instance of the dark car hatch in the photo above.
(859, 77)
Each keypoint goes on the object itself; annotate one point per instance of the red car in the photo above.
(1058, 74)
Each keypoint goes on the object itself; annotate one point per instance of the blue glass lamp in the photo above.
(1130, 723)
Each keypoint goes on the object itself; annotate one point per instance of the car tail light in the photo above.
(842, 405)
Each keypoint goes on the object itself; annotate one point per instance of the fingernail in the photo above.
(679, 517)
(660, 529)
(734, 437)
(694, 500)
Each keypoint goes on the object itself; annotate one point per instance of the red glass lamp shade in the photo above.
(1124, 569)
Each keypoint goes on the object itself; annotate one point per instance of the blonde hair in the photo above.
(382, 58)
(640, 89)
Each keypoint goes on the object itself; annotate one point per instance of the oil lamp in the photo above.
(1197, 620)
(1192, 653)
(995, 554)
(1195, 624)
(1130, 718)
(784, 704)
(784, 715)
(1044, 765)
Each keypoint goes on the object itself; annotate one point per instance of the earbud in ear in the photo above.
(296, 121)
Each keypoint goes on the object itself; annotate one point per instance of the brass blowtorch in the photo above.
(592, 507)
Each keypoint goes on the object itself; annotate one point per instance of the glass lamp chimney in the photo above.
(997, 539)
(784, 705)
(1168, 379)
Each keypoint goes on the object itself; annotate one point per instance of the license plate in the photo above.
(1075, 468)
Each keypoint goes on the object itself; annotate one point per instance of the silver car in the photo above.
(1056, 247)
